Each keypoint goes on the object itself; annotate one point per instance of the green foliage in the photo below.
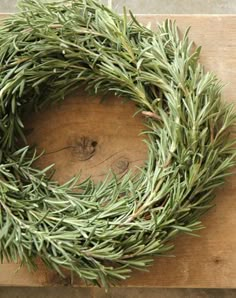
(101, 231)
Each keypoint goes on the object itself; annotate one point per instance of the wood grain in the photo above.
(206, 262)
(87, 134)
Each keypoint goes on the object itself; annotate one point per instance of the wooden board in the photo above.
(85, 134)
(88, 134)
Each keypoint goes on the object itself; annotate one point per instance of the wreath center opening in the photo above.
(85, 133)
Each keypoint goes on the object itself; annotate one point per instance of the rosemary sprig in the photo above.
(102, 231)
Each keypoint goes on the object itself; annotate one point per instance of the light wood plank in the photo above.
(206, 262)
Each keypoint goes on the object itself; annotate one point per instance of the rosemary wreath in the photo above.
(101, 231)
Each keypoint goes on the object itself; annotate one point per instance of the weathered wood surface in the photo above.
(86, 134)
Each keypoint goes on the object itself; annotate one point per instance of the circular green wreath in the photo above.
(101, 231)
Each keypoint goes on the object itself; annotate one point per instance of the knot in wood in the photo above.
(84, 148)
(120, 166)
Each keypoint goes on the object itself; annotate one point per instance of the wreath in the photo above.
(102, 231)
